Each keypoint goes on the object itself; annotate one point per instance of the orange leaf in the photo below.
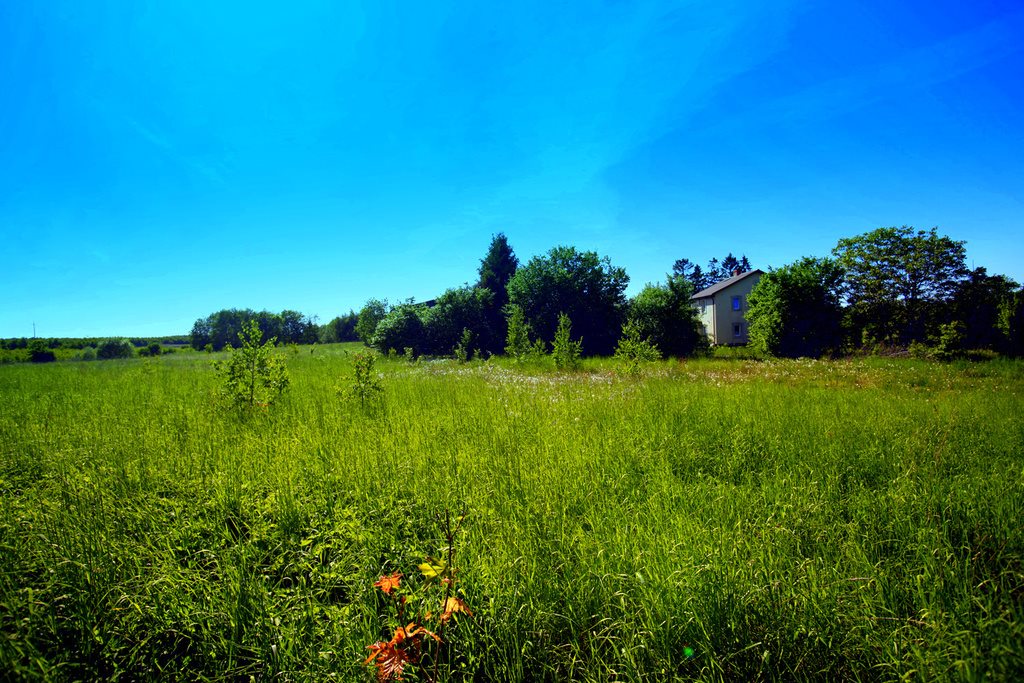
(389, 659)
(413, 630)
(388, 583)
(453, 605)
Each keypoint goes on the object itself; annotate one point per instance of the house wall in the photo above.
(706, 314)
(718, 317)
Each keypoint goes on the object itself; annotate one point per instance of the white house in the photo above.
(723, 306)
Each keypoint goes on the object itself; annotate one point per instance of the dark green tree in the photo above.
(1011, 324)
(584, 286)
(795, 310)
(496, 269)
(897, 280)
(201, 334)
(692, 273)
(296, 328)
(976, 303)
(40, 352)
(664, 316)
(714, 272)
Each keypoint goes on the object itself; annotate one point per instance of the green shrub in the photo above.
(115, 348)
(38, 352)
(951, 341)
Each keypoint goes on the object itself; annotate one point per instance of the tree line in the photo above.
(891, 287)
(222, 328)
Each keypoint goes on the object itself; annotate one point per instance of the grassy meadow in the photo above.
(706, 520)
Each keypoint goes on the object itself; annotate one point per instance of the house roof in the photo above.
(719, 286)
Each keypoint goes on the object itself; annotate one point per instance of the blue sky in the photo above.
(160, 161)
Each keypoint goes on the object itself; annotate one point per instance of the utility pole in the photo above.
(33, 330)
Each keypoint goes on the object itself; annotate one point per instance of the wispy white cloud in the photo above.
(173, 152)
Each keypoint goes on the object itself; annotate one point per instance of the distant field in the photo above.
(712, 520)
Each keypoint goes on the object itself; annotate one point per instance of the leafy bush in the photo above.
(795, 310)
(665, 316)
(400, 329)
(951, 341)
(368, 318)
(253, 374)
(115, 348)
(152, 349)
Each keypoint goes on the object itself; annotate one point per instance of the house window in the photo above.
(736, 303)
(737, 330)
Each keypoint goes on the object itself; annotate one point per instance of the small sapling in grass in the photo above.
(366, 387)
(253, 375)
(633, 350)
(565, 351)
(424, 608)
(463, 350)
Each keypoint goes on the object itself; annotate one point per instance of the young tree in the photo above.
(254, 374)
(517, 341)
(633, 350)
(565, 351)
(794, 311)
(664, 315)
(895, 277)
(584, 286)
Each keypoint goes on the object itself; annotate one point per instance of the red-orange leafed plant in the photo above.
(407, 645)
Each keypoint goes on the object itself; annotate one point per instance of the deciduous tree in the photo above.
(584, 286)
(369, 317)
(795, 310)
(896, 276)
(664, 316)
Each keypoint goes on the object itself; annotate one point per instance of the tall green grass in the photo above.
(713, 520)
